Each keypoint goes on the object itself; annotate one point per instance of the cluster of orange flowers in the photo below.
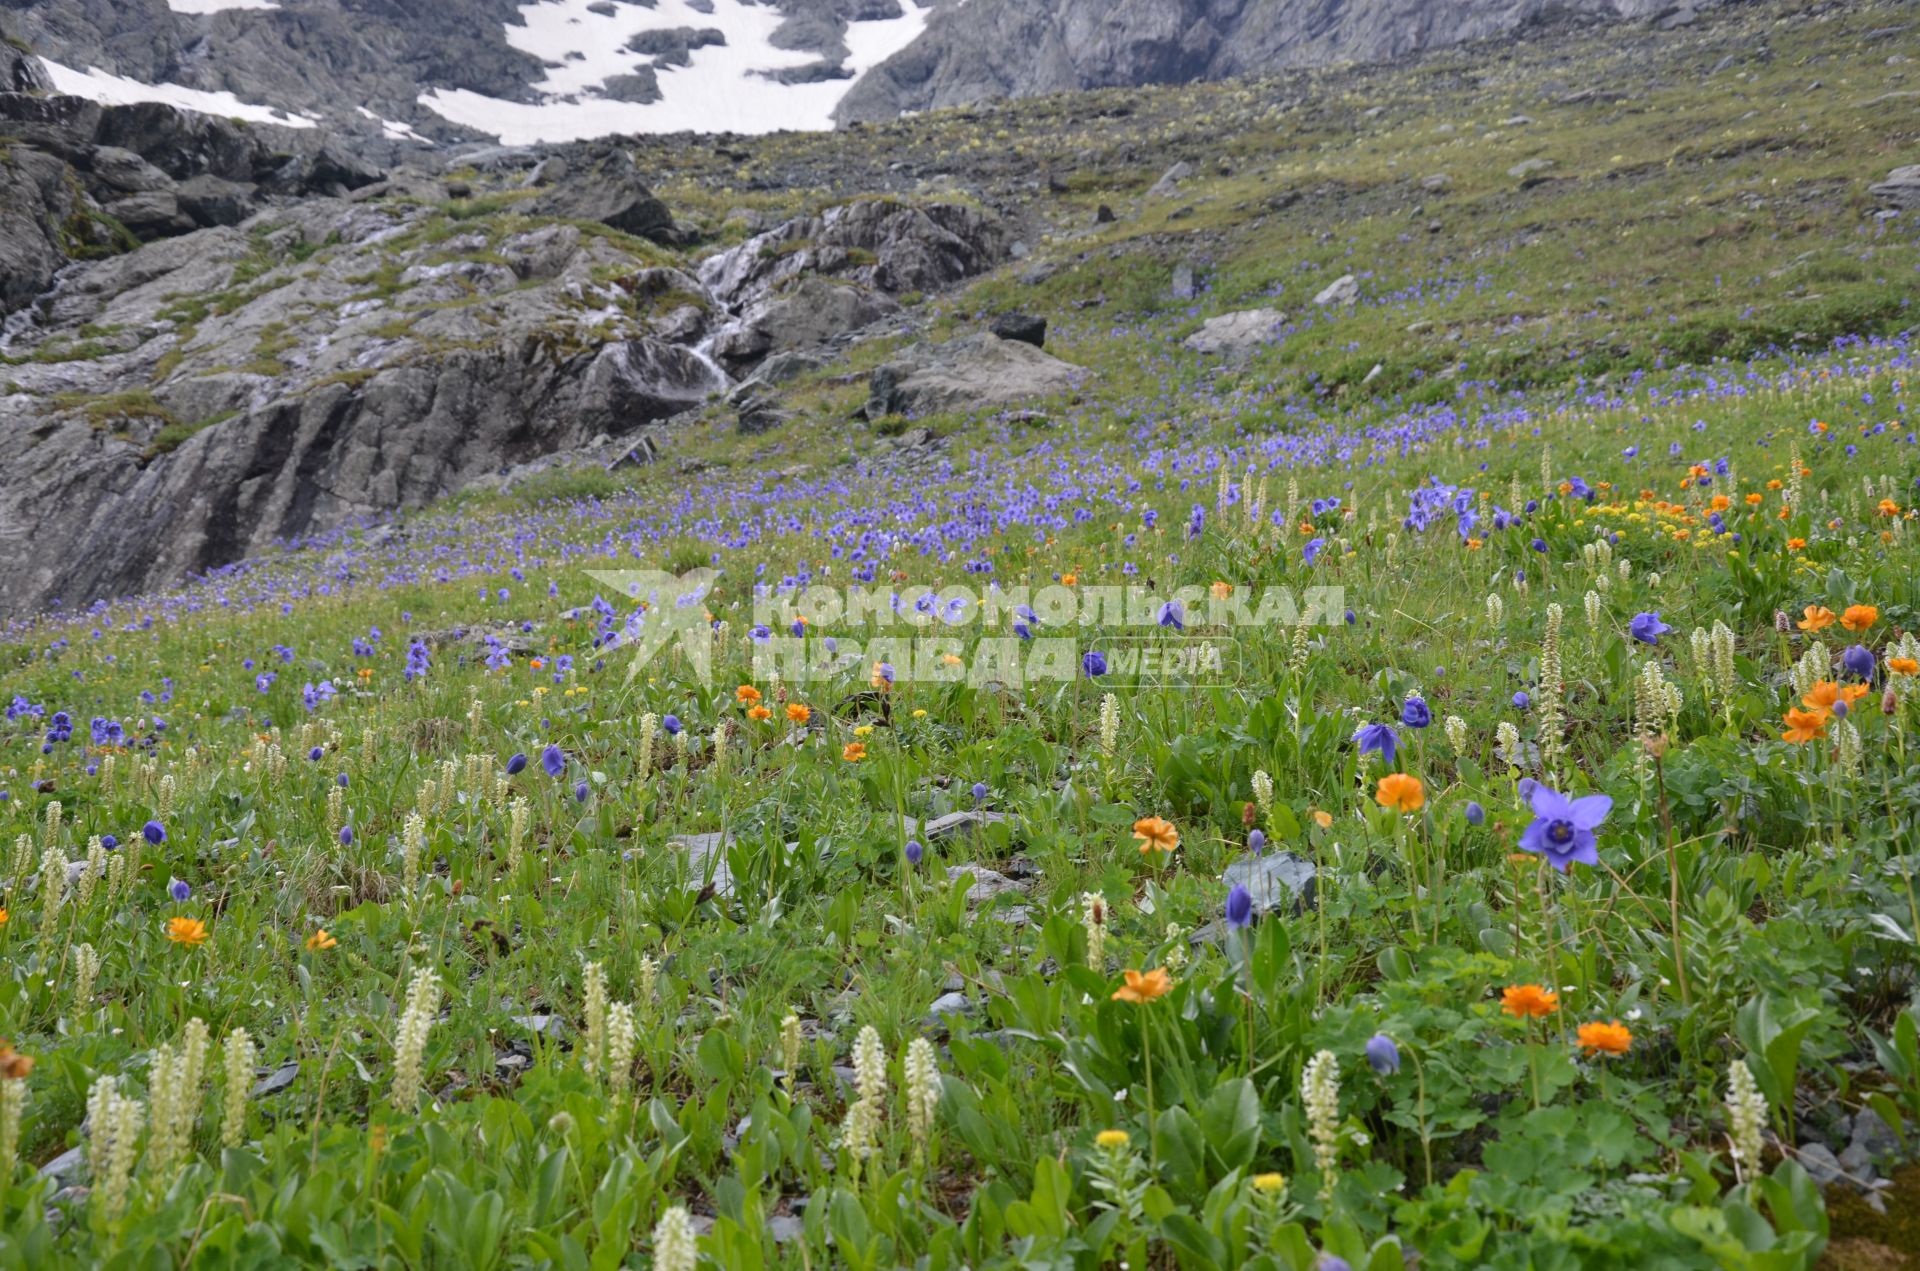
(1532, 1001)
(1855, 618)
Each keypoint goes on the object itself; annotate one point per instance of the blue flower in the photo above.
(1647, 627)
(1312, 550)
(1094, 663)
(1562, 829)
(517, 764)
(1858, 659)
(1171, 615)
(1239, 906)
(1476, 814)
(915, 852)
(1382, 1055)
(346, 836)
(672, 724)
(179, 890)
(554, 760)
(154, 832)
(1379, 738)
(1414, 713)
(980, 792)
(1521, 701)
(1256, 842)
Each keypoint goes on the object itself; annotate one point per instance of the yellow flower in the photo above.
(190, 932)
(1270, 1182)
(1141, 988)
(321, 940)
(1113, 1140)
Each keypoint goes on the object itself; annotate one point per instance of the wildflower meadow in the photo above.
(1242, 816)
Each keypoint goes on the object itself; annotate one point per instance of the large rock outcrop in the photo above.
(200, 398)
(989, 49)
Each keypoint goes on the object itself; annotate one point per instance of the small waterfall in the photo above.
(24, 320)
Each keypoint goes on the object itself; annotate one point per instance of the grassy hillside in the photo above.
(371, 905)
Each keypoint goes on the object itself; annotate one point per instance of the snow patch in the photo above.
(115, 90)
(394, 131)
(725, 88)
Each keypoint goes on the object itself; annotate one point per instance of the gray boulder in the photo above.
(976, 372)
(1237, 335)
(1900, 189)
(811, 312)
(611, 192)
(1344, 290)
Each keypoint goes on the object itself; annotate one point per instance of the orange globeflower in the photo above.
(1804, 726)
(758, 713)
(799, 714)
(188, 931)
(1529, 1001)
(1221, 590)
(1859, 617)
(1145, 987)
(746, 693)
(1322, 818)
(854, 751)
(1604, 1039)
(4, 915)
(1824, 693)
(13, 1065)
(1889, 508)
(1721, 503)
(1155, 835)
(1818, 618)
(321, 940)
(1899, 666)
(1754, 500)
(1401, 792)
(1794, 544)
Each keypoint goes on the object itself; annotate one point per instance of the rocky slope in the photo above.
(301, 343)
(457, 69)
(1018, 48)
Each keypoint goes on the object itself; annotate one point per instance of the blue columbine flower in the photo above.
(1647, 627)
(1379, 738)
(154, 832)
(1094, 663)
(1562, 829)
(1858, 659)
(1171, 615)
(1382, 1055)
(179, 890)
(1414, 713)
(554, 760)
(1239, 906)
(1311, 552)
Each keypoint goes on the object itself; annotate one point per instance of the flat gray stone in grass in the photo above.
(276, 1081)
(1277, 881)
(69, 1164)
(954, 825)
(709, 852)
